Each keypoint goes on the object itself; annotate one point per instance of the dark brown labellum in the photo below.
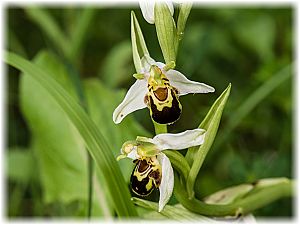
(145, 177)
(167, 115)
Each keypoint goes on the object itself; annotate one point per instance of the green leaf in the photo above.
(48, 25)
(184, 12)
(176, 212)
(139, 48)
(63, 162)
(80, 32)
(247, 29)
(14, 44)
(19, 165)
(166, 31)
(228, 195)
(58, 147)
(195, 156)
(254, 99)
(93, 139)
(153, 215)
(116, 67)
(101, 102)
(246, 204)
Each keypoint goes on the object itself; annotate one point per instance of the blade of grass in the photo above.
(196, 155)
(80, 32)
(48, 25)
(172, 212)
(15, 45)
(243, 206)
(75, 77)
(184, 12)
(253, 100)
(94, 140)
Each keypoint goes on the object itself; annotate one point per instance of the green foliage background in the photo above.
(246, 46)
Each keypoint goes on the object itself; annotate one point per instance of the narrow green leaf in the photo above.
(94, 140)
(80, 32)
(228, 195)
(262, 184)
(116, 67)
(101, 102)
(19, 165)
(243, 205)
(139, 48)
(50, 27)
(166, 31)
(14, 44)
(63, 162)
(172, 212)
(184, 12)
(153, 215)
(254, 99)
(210, 124)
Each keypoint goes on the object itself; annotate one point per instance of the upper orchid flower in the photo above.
(158, 87)
(147, 8)
(153, 168)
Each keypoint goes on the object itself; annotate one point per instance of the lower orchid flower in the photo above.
(158, 87)
(153, 168)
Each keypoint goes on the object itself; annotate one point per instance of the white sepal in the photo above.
(183, 140)
(134, 100)
(147, 8)
(186, 86)
(167, 181)
(147, 62)
(133, 154)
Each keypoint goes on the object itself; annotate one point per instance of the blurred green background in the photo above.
(250, 47)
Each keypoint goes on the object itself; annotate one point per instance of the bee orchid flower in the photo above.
(153, 168)
(158, 87)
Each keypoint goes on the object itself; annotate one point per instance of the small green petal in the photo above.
(169, 66)
(121, 157)
(139, 76)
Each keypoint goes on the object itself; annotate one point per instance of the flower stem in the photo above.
(244, 205)
(179, 163)
(160, 128)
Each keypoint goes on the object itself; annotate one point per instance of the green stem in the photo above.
(242, 206)
(179, 163)
(160, 128)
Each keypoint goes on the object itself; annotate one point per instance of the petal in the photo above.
(133, 154)
(147, 8)
(186, 86)
(147, 62)
(167, 181)
(178, 141)
(134, 100)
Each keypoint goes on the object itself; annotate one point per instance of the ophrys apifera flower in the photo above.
(153, 168)
(158, 87)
